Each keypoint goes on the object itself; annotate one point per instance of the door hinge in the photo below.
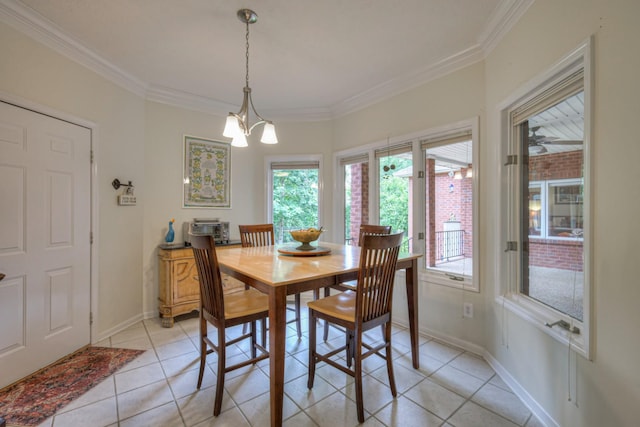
(512, 159)
(420, 236)
(91, 237)
(91, 318)
(420, 174)
(91, 157)
(511, 246)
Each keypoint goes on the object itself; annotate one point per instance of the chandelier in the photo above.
(238, 126)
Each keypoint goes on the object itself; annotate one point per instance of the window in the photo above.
(449, 207)
(294, 195)
(555, 209)
(392, 193)
(355, 170)
(395, 183)
(545, 202)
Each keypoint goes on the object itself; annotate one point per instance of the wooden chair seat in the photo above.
(245, 303)
(340, 306)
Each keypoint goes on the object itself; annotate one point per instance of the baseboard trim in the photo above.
(117, 328)
(537, 410)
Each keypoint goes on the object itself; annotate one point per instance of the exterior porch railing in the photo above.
(449, 244)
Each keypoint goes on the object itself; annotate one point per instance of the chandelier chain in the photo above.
(247, 56)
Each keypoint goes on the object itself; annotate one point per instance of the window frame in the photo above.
(468, 283)
(508, 293)
(293, 159)
(419, 195)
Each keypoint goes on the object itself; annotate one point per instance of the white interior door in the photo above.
(45, 205)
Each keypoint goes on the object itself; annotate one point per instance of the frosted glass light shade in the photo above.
(239, 140)
(231, 128)
(269, 134)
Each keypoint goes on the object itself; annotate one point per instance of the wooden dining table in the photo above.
(280, 274)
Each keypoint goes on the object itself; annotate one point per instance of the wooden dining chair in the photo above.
(351, 286)
(368, 307)
(262, 235)
(224, 311)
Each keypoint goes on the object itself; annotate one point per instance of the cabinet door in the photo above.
(186, 287)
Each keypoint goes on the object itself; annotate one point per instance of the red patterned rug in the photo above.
(39, 396)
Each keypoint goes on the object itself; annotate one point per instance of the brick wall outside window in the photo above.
(556, 253)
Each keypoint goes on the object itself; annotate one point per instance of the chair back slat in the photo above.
(211, 292)
(256, 235)
(378, 258)
(372, 229)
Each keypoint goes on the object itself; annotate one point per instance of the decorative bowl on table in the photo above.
(306, 236)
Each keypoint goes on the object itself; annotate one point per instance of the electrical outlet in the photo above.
(467, 310)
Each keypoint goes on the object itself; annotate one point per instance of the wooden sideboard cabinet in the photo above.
(179, 290)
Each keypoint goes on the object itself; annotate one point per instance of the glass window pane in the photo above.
(396, 177)
(535, 207)
(356, 199)
(295, 201)
(449, 208)
(552, 222)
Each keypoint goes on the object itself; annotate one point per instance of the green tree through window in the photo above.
(295, 201)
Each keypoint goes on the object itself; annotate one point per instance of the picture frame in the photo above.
(206, 173)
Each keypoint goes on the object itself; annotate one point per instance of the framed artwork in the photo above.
(207, 173)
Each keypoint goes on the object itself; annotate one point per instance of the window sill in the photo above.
(452, 281)
(540, 315)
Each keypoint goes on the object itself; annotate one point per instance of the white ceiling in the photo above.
(309, 59)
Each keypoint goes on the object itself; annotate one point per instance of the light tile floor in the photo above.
(451, 388)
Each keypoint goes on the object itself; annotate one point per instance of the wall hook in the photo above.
(117, 184)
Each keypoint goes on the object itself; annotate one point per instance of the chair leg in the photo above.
(253, 339)
(349, 352)
(244, 327)
(203, 349)
(325, 336)
(263, 332)
(387, 339)
(298, 322)
(222, 349)
(312, 350)
(358, 376)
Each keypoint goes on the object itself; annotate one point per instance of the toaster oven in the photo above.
(206, 227)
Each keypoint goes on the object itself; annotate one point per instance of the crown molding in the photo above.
(408, 81)
(44, 31)
(27, 21)
(502, 20)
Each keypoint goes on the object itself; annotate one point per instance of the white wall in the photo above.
(36, 74)
(608, 388)
(165, 128)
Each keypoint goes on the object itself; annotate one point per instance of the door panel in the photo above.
(12, 233)
(44, 240)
